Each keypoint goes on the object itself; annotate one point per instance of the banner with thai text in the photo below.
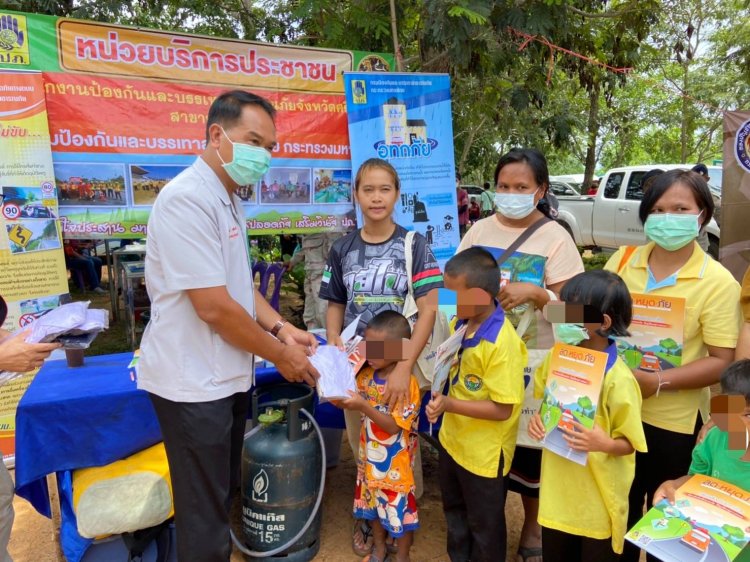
(32, 263)
(127, 113)
(406, 119)
(735, 193)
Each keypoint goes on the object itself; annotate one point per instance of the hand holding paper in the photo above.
(444, 357)
(336, 373)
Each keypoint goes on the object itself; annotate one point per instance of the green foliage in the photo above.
(585, 403)
(506, 92)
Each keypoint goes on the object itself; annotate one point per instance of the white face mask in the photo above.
(515, 205)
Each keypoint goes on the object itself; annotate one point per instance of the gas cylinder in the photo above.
(281, 474)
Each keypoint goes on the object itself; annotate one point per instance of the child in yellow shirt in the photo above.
(482, 409)
(583, 510)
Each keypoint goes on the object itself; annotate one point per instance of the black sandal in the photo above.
(363, 527)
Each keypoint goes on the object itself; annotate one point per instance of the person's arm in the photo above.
(397, 385)
(697, 374)
(743, 344)
(289, 334)
(515, 294)
(231, 321)
(581, 438)
(18, 356)
(358, 403)
(479, 409)
(668, 489)
(335, 323)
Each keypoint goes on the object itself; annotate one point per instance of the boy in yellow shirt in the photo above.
(482, 408)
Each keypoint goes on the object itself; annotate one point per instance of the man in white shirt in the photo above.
(207, 321)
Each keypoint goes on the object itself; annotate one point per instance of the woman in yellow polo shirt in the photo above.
(674, 208)
(743, 345)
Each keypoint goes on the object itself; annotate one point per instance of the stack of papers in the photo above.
(336, 373)
(74, 325)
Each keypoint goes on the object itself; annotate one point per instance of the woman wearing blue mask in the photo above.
(536, 257)
(674, 208)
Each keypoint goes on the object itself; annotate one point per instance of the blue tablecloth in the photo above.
(92, 416)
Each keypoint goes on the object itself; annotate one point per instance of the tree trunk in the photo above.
(686, 117)
(394, 33)
(593, 133)
(469, 141)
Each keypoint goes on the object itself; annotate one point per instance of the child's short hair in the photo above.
(392, 323)
(479, 268)
(736, 379)
(605, 291)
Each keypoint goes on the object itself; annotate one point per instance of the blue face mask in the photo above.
(515, 205)
(672, 232)
(249, 163)
(572, 334)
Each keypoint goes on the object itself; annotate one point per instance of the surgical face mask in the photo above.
(249, 163)
(515, 205)
(670, 231)
(572, 334)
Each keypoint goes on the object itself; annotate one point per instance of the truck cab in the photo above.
(610, 218)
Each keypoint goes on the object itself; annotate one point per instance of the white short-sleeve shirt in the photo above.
(196, 239)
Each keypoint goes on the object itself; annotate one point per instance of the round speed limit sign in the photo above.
(11, 211)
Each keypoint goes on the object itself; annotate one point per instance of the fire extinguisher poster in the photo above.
(405, 118)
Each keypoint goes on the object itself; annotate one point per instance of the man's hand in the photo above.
(397, 386)
(295, 366)
(18, 356)
(292, 335)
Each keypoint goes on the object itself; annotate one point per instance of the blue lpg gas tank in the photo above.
(281, 474)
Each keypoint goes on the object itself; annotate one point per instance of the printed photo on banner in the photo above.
(246, 193)
(147, 181)
(89, 184)
(285, 186)
(32, 235)
(28, 202)
(332, 186)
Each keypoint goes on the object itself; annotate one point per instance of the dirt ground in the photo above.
(33, 535)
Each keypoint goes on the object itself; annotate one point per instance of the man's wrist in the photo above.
(277, 327)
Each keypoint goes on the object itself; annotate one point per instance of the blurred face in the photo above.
(470, 302)
(518, 178)
(381, 349)
(677, 200)
(377, 194)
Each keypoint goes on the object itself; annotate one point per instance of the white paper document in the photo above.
(336, 373)
(446, 353)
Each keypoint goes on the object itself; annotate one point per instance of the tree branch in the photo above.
(615, 14)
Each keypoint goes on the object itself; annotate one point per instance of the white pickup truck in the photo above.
(609, 219)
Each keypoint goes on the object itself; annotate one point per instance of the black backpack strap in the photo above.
(525, 235)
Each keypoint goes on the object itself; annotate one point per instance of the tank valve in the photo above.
(271, 416)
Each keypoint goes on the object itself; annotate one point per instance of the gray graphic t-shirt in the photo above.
(370, 278)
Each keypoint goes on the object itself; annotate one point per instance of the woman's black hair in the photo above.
(535, 160)
(736, 379)
(663, 182)
(607, 292)
(3, 311)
